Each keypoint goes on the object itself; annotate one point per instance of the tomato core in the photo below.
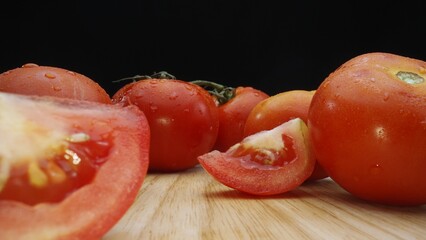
(267, 156)
(55, 177)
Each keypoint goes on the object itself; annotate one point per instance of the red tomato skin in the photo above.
(233, 115)
(92, 210)
(281, 108)
(183, 118)
(368, 129)
(278, 109)
(247, 176)
(32, 79)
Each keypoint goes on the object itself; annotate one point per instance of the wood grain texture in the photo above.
(192, 205)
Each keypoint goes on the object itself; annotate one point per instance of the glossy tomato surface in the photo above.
(183, 119)
(368, 128)
(233, 115)
(279, 109)
(70, 169)
(266, 163)
(32, 79)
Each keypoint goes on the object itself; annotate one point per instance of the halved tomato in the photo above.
(89, 158)
(265, 163)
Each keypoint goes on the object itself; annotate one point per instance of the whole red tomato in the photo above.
(69, 169)
(234, 106)
(32, 79)
(367, 121)
(278, 109)
(183, 118)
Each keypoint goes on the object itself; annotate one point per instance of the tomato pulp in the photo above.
(367, 122)
(94, 155)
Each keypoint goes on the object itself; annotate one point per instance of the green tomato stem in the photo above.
(222, 93)
(155, 75)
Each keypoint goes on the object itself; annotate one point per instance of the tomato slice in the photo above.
(100, 150)
(265, 163)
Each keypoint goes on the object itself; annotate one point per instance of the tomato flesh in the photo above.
(265, 163)
(265, 156)
(52, 179)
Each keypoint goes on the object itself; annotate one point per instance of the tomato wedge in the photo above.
(265, 163)
(36, 132)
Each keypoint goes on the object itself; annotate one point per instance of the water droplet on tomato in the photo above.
(386, 96)
(375, 169)
(357, 80)
(56, 88)
(71, 72)
(153, 108)
(6, 73)
(380, 133)
(325, 84)
(164, 121)
(29, 65)
(173, 96)
(50, 75)
(331, 105)
(423, 123)
(186, 110)
(190, 90)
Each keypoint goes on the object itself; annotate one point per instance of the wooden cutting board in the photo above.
(192, 205)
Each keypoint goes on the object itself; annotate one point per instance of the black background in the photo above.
(271, 45)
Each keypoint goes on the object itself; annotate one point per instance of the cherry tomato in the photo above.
(234, 105)
(69, 169)
(265, 163)
(278, 109)
(32, 79)
(183, 118)
(368, 126)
